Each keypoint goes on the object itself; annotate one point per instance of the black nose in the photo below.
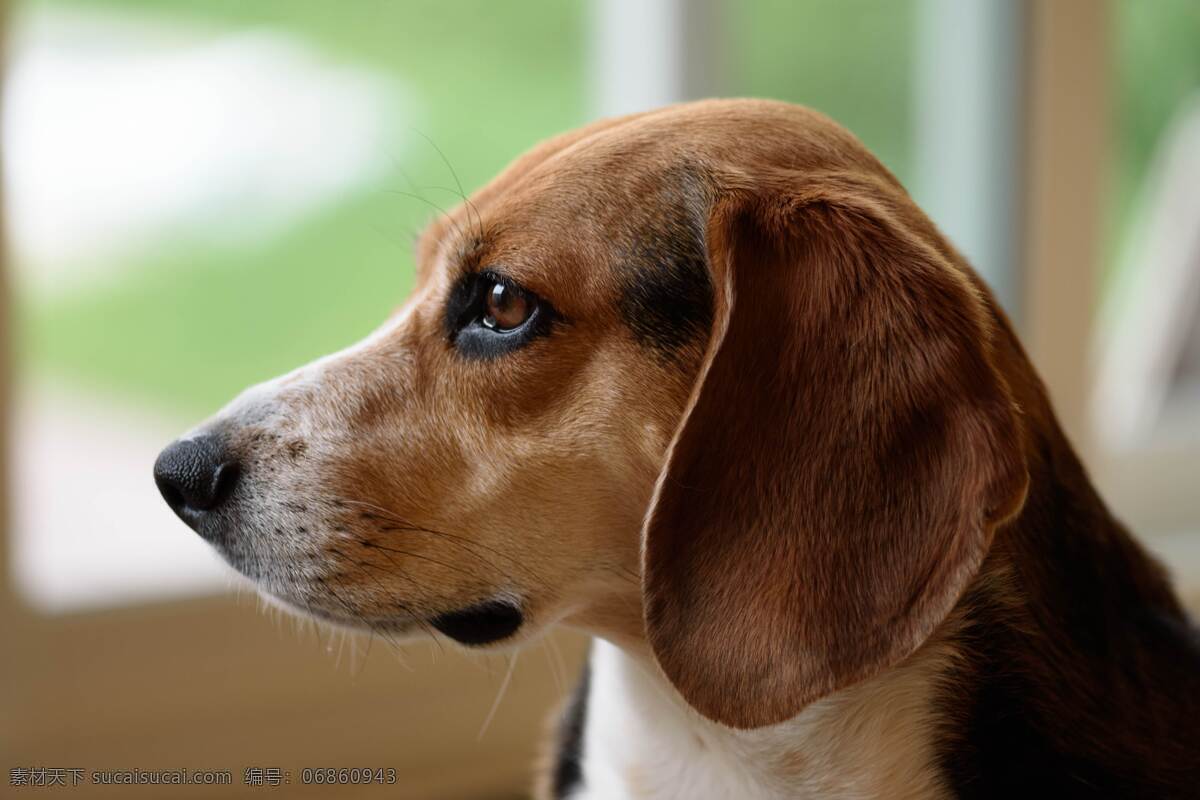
(195, 476)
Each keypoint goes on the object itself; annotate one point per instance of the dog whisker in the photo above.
(504, 684)
(454, 174)
(356, 615)
(371, 545)
(425, 200)
(367, 655)
(415, 617)
(402, 524)
(415, 193)
(554, 661)
(456, 540)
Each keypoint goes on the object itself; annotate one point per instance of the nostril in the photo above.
(195, 475)
(224, 481)
(173, 496)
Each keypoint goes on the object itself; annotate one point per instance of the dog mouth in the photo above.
(309, 593)
(481, 624)
(477, 625)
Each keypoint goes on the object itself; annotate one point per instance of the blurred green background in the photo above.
(492, 79)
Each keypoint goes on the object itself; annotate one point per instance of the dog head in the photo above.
(702, 378)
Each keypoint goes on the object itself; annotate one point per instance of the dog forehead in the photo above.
(616, 211)
(618, 176)
(608, 164)
(566, 232)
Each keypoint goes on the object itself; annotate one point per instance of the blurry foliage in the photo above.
(851, 59)
(1156, 66)
(194, 324)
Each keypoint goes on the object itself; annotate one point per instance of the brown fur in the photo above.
(856, 456)
(883, 450)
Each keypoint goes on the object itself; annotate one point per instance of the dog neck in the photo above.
(641, 739)
(1067, 659)
(1077, 667)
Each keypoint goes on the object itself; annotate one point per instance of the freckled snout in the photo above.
(195, 477)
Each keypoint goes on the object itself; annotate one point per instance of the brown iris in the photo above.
(506, 309)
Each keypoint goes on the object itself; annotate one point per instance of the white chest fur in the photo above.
(642, 741)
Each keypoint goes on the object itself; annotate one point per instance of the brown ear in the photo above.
(848, 450)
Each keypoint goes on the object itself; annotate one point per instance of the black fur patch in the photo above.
(568, 760)
(1014, 733)
(1081, 679)
(666, 294)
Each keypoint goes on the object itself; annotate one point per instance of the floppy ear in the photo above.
(847, 452)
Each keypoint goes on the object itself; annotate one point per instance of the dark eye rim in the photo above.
(466, 309)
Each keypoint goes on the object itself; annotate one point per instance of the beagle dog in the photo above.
(706, 384)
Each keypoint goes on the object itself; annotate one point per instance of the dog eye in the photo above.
(488, 315)
(506, 309)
